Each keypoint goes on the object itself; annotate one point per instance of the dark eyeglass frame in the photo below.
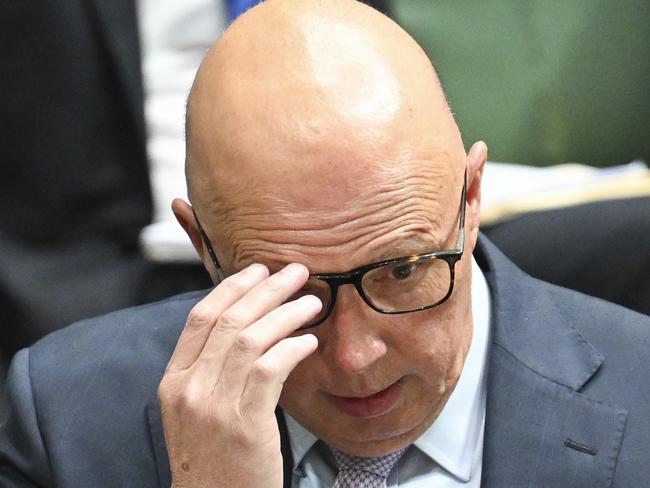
(355, 276)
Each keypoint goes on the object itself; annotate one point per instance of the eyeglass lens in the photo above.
(395, 287)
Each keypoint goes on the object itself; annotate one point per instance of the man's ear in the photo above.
(185, 216)
(476, 158)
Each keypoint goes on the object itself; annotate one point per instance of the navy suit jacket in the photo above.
(568, 393)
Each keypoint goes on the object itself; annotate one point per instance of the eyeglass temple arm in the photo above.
(460, 245)
(208, 245)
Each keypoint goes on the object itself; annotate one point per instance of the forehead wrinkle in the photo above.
(335, 200)
(292, 215)
(400, 240)
(384, 205)
(360, 236)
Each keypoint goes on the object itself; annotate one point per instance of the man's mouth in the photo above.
(374, 405)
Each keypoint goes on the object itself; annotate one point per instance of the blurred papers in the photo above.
(511, 189)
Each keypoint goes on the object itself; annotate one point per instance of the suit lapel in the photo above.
(540, 430)
(117, 25)
(154, 421)
(285, 446)
(542, 434)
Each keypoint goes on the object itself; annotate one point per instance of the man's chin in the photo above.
(368, 437)
(371, 444)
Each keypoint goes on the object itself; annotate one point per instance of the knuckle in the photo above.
(235, 285)
(263, 371)
(200, 316)
(273, 285)
(180, 398)
(228, 321)
(165, 390)
(246, 343)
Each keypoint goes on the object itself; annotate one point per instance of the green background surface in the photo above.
(542, 82)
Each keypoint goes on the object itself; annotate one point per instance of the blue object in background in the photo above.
(238, 7)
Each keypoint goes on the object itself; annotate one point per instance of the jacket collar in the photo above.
(540, 430)
(528, 322)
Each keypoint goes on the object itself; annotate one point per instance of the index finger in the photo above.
(205, 313)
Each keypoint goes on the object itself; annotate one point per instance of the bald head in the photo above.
(302, 104)
(296, 75)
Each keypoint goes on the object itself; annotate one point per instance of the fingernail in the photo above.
(257, 269)
(294, 269)
(311, 300)
(311, 340)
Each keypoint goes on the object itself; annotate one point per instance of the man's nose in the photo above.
(353, 341)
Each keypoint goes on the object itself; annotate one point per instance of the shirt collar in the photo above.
(453, 439)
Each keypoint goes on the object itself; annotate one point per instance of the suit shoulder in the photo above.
(603, 323)
(140, 338)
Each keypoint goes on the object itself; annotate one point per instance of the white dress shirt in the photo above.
(174, 36)
(450, 453)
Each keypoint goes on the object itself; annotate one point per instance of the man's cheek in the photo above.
(299, 386)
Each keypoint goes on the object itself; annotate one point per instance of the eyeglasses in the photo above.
(393, 286)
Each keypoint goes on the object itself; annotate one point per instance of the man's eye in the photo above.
(402, 271)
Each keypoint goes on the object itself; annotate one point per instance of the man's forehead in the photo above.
(319, 259)
(337, 194)
(413, 216)
(334, 181)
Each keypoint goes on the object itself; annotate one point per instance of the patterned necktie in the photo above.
(358, 472)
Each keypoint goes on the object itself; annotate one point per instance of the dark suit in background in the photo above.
(74, 184)
(75, 180)
(600, 248)
(567, 398)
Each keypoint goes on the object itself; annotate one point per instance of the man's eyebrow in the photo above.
(411, 247)
(419, 244)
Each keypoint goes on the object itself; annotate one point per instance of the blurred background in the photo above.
(542, 82)
(91, 116)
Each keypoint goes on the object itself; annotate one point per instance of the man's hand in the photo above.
(221, 387)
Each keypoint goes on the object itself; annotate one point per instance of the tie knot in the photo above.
(360, 468)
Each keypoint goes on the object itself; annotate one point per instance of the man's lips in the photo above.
(369, 406)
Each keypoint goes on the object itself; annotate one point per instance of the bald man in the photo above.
(360, 332)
